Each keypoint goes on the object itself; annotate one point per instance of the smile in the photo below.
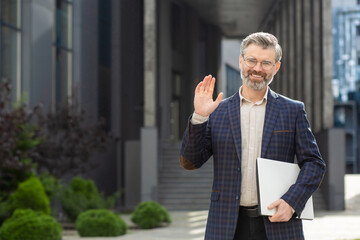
(256, 76)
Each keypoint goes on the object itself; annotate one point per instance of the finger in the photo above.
(198, 87)
(218, 99)
(274, 204)
(203, 83)
(212, 85)
(207, 82)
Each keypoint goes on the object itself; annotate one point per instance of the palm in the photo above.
(203, 100)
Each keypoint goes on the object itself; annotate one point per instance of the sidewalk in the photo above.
(191, 226)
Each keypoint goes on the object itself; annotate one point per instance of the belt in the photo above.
(252, 212)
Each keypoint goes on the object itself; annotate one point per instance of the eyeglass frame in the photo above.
(261, 63)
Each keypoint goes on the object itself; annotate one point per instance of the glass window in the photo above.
(10, 51)
(10, 12)
(10, 62)
(233, 80)
(63, 23)
(62, 90)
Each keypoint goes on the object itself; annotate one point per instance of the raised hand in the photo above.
(203, 100)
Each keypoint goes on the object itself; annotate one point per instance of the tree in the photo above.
(70, 138)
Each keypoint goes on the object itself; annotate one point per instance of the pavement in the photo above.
(190, 225)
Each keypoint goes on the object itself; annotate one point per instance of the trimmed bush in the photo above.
(150, 215)
(30, 194)
(100, 223)
(26, 224)
(52, 185)
(80, 196)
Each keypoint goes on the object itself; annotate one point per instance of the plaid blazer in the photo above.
(286, 134)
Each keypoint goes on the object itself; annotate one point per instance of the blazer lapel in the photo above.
(271, 114)
(234, 116)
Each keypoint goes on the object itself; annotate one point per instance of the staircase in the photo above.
(181, 189)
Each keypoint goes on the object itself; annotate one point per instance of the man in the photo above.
(255, 122)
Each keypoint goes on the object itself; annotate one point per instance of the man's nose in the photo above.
(258, 66)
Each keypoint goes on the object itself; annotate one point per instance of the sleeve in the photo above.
(312, 166)
(198, 119)
(196, 145)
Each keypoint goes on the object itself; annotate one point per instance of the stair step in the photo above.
(180, 189)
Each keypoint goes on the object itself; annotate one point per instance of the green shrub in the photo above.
(78, 197)
(26, 224)
(30, 194)
(51, 184)
(100, 223)
(150, 215)
(82, 195)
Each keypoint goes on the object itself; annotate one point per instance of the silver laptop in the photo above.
(274, 179)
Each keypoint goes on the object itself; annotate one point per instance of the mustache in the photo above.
(251, 72)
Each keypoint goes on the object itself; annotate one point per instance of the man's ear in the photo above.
(277, 67)
(240, 61)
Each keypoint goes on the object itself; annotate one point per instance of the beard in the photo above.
(257, 85)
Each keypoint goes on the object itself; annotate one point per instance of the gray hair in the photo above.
(264, 40)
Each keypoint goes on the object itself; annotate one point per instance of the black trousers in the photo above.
(250, 228)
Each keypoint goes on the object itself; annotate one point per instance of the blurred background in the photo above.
(135, 64)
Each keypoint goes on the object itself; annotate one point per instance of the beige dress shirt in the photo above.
(252, 124)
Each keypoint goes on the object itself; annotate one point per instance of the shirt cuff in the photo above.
(198, 119)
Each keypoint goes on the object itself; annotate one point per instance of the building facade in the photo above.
(136, 63)
(346, 81)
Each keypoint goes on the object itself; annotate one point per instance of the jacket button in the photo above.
(237, 197)
(239, 169)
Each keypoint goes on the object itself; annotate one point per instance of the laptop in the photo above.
(274, 179)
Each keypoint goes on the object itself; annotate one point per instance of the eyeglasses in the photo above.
(252, 62)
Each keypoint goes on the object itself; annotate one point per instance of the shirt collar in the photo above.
(242, 98)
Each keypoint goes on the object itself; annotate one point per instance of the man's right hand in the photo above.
(203, 100)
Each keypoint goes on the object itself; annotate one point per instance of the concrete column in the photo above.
(149, 136)
(331, 143)
(327, 60)
(317, 89)
(292, 47)
(277, 81)
(149, 164)
(284, 43)
(307, 78)
(150, 74)
(299, 50)
(165, 66)
(116, 106)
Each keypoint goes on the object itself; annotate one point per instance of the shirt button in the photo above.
(239, 169)
(237, 197)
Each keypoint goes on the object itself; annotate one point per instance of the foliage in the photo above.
(5, 210)
(30, 194)
(51, 184)
(69, 140)
(150, 215)
(82, 195)
(30, 225)
(100, 222)
(17, 140)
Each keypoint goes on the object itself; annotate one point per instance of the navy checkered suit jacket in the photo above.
(286, 134)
